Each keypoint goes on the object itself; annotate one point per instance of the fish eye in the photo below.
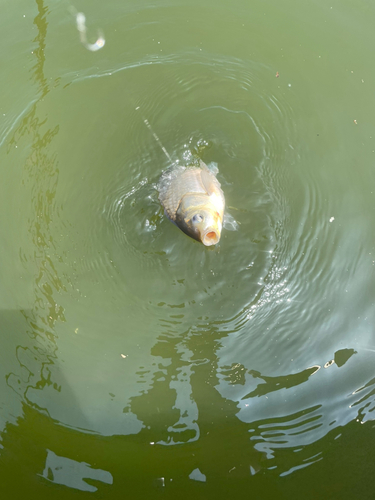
(197, 218)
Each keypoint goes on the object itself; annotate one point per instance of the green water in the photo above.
(134, 361)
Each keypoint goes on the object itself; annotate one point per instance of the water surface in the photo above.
(134, 358)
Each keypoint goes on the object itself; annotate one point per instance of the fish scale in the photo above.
(171, 190)
(193, 199)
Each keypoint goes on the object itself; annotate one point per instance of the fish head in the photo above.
(203, 223)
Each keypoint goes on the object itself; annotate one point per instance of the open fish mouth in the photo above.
(210, 237)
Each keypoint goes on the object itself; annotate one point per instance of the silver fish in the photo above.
(193, 199)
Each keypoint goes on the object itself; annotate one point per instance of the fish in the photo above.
(193, 200)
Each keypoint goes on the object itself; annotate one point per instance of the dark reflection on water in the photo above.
(276, 383)
(37, 355)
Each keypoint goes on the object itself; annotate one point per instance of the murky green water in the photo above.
(135, 361)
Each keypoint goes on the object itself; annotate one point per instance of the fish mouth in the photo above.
(210, 237)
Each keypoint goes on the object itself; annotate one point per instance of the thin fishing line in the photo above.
(100, 42)
(147, 123)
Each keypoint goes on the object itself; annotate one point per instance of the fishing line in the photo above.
(99, 44)
(146, 122)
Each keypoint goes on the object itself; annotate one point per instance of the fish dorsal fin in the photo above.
(209, 180)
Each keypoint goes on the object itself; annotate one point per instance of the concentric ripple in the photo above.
(255, 355)
(251, 292)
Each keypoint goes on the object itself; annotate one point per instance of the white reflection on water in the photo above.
(62, 470)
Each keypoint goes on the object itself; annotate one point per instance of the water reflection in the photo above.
(40, 174)
(167, 409)
(62, 470)
(223, 358)
(183, 405)
(215, 435)
(194, 397)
